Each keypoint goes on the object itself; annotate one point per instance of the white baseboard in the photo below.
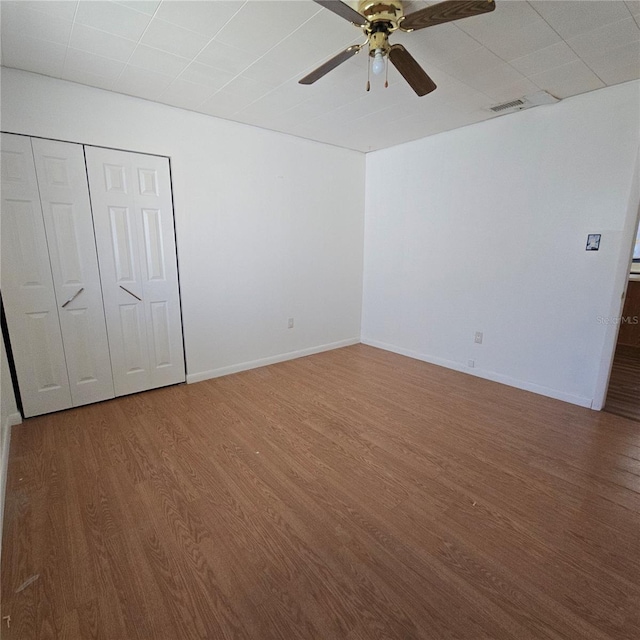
(263, 362)
(481, 373)
(11, 420)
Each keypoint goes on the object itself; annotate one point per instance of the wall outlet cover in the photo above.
(593, 241)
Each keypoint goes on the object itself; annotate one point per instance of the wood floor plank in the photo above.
(351, 495)
(623, 396)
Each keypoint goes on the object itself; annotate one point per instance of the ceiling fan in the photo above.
(379, 19)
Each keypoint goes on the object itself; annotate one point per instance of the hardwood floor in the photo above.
(354, 494)
(623, 397)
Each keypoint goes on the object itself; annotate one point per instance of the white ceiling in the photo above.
(241, 60)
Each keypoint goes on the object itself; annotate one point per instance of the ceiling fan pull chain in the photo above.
(368, 72)
(386, 71)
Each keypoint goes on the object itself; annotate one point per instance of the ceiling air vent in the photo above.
(506, 105)
(534, 100)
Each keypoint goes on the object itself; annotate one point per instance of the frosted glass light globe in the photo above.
(378, 63)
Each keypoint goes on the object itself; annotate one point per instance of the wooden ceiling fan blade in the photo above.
(446, 12)
(331, 64)
(411, 71)
(344, 11)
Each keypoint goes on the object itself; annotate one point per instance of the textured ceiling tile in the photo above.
(90, 63)
(544, 59)
(159, 61)
(89, 79)
(314, 42)
(224, 104)
(61, 9)
(619, 74)
(101, 43)
(258, 26)
(206, 75)
(206, 18)
(188, 95)
(248, 88)
(31, 54)
(439, 44)
(508, 92)
(571, 18)
(270, 71)
(473, 64)
(113, 18)
(144, 6)
(520, 42)
(514, 29)
(269, 106)
(291, 92)
(628, 54)
(495, 77)
(18, 19)
(280, 100)
(167, 37)
(568, 80)
(142, 82)
(305, 111)
(226, 57)
(506, 16)
(611, 36)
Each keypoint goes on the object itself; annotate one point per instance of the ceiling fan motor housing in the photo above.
(378, 40)
(384, 18)
(388, 11)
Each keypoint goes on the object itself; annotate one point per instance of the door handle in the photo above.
(73, 297)
(131, 294)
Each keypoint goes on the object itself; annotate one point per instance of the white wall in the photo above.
(269, 226)
(8, 406)
(484, 229)
(9, 416)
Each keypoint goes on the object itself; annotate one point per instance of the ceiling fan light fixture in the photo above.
(378, 19)
(378, 64)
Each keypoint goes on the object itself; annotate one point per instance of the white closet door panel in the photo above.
(27, 285)
(117, 242)
(159, 269)
(133, 217)
(64, 194)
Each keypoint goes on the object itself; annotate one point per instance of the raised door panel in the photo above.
(27, 285)
(64, 193)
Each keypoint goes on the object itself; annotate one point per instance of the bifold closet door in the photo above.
(64, 194)
(27, 285)
(133, 218)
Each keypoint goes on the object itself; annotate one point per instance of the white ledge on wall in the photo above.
(263, 362)
(487, 375)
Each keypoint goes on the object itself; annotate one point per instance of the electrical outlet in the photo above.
(471, 363)
(478, 338)
(290, 323)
